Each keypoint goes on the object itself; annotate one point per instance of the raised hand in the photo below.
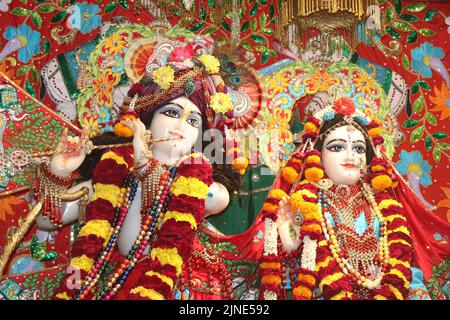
(141, 152)
(64, 163)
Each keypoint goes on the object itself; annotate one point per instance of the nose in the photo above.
(348, 152)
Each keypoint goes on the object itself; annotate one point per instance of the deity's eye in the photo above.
(360, 149)
(171, 113)
(336, 147)
(194, 122)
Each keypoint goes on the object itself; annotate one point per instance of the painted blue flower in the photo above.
(421, 58)
(30, 41)
(297, 92)
(412, 162)
(286, 101)
(118, 64)
(84, 17)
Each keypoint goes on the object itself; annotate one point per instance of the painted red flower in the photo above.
(344, 106)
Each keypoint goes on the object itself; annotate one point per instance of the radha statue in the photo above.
(147, 202)
(340, 223)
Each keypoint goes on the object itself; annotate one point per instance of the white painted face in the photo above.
(180, 118)
(344, 155)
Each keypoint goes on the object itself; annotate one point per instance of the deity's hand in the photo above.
(287, 230)
(141, 152)
(64, 163)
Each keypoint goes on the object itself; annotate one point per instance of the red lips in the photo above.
(349, 165)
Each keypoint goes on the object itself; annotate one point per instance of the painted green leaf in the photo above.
(424, 85)
(415, 87)
(389, 14)
(254, 10)
(177, 11)
(437, 152)
(405, 62)
(262, 20)
(110, 7)
(30, 88)
(431, 118)
(36, 19)
(50, 256)
(412, 37)
(203, 14)
(418, 104)
(246, 45)
(271, 11)
(245, 26)
(267, 31)
(211, 30)
(22, 70)
(260, 48)
(430, 14)
(46, 8)
(394, 34)
(254, 25)
(427, 32)
(60, 16)
(258, 39)
(198, 26)
(428, 143)
(398, 6)
(410, 123)
(417, 134)
(273, 53)
(416, 7)
(445, 146)
(440, 135)
(402, 26)
(264, 57)
(263, 2)
(35, 73)
(409, 17)
(124, 4)
(20, 11)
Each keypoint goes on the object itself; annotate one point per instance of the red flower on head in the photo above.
(181, 54)
(344, 106)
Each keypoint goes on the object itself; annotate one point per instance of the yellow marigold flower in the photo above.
(221, 102)
(381, 182)
(189, 186)
(212, 65)
(82, 263)
(289, 174)
(310, 127)
(63, 296)
(164, 76)
(168, 256)
(277, 193)
(375, 131)
(100, 228)
(180, 216)
(271, 265)
(271, 279)
(313, 159)
(147, 293)
(302, 291)
(314, 174)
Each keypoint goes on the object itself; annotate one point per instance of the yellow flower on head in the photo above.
(164, 77)
(212, 65)
(221, 102)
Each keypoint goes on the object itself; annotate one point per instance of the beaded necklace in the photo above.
(150, 221)
(345, 263)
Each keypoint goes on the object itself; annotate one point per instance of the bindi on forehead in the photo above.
(347, 133)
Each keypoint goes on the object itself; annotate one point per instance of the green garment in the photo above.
(246, 203)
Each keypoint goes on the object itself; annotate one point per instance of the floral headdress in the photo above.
(174, 65)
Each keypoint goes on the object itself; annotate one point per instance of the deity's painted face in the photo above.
(180, 118)
(344, 155)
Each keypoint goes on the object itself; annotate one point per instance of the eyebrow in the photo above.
(359, 141)
(345, 141)
(182, 108)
